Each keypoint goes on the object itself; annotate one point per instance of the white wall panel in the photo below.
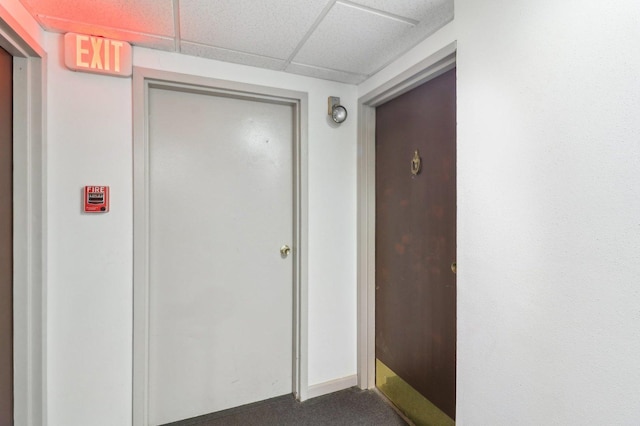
(549, 200)
(90, 255)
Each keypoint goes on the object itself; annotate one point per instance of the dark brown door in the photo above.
(415, 249)
(6, 238)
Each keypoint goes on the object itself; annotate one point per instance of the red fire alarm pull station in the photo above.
(96, 199)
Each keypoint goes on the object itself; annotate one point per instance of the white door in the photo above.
(220, 292)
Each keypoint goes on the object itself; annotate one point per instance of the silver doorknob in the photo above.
(285, 250)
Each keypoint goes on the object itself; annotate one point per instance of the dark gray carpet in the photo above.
(350, 407)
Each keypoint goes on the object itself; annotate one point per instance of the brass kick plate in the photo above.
(416, 407)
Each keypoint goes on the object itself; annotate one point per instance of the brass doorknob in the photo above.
(454, 267)
(285, 250)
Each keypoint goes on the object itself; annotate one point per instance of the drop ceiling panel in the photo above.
(439, 15)
(153, 42)
(354, 40)
(271, 28)
(340, 40)
(231, 56)
(150, 17)
(412, 9)
(325, 74)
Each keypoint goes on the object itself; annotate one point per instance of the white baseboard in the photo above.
(332, 386)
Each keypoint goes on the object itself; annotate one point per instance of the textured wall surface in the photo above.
(549, 208)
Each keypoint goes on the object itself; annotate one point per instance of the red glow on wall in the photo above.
(97, 55)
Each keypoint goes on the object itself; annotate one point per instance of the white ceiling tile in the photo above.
(353, 40)
(438, 18)
(64, 26)
(152, 17)
(225, 55)
(413, 9)
(325, 74)
(270, 28)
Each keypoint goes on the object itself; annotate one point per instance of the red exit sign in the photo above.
(97, 55)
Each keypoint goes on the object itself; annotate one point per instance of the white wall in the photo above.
(90, 256)
(90, 259)
(548, 210)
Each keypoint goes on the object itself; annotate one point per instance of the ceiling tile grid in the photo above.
(352, 39)
(439, 14)
(412, 9)
(226, 55)
(271, 28)
(140, 39)
(150, 17)
(340, 40)
(325, 74)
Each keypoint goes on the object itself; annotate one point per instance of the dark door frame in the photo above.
(29, 221)
(436, 64)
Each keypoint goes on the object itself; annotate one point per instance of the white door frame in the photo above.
(29, 222)
(143, 80)
(428, 69)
